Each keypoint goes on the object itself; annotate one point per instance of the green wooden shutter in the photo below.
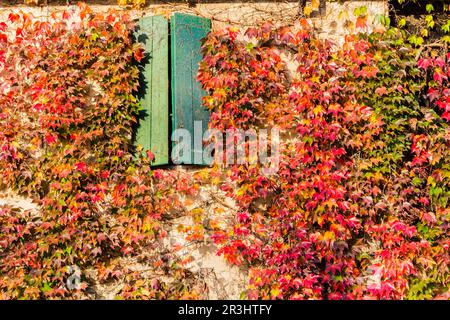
(186, 34)
(153, 131)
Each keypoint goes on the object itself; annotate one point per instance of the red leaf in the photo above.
(446, 116)
(110, 18)
(439, 62)
(81, 166)
(105, 174)
(433, 94)
(424, 63)
(428, 217)
(361, 22)
(19, 32)
(13, 17)
(127, 250)
(66, 15)
(243, 216)
(150, 155)
(232, 33)
(38, 107)
(439, 75)
(50, 138)
(139, 54)
(381, 91)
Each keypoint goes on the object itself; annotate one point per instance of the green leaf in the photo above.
(446, 27)
(430, 21)
(249, 46)
(417, 181)
(415, 40)
(46, 287)
(360, 11)
(95, 36)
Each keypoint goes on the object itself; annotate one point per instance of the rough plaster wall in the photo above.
(239, 14)
(216, 279)
(15, 201)
(222, 280)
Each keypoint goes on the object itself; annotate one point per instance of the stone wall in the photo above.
(222, 280)
(338, 17)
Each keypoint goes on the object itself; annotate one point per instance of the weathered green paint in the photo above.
(153, 131)
(186, 34)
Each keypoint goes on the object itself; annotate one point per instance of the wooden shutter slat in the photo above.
(153, 131)
(186, 34)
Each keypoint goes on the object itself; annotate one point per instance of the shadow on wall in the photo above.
(143, 114)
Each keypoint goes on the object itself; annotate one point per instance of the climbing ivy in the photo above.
(67, 111)
(358, 206)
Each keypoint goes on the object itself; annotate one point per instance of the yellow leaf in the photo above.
(318, 109)
(343, 15)
(307, 10)
(15, 144)
(138, 3)
(275, 293)
(215, 181)
(197, 211)
(320, 221)
(215, 224)
(315, 4)
(328, 235)
(424, 32)
(315, 79)
(219, 210)
(373, 118)
(242, 190)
